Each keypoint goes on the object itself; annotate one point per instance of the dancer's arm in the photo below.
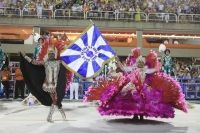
(120, 65)
(33, 61)
(150, 70)
(26, 57)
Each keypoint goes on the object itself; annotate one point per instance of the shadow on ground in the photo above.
(145, 126)
(138, 122)
(2, 108)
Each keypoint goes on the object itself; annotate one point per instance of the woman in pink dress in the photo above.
(142, 90)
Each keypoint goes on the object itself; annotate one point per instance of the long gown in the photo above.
(151, 94)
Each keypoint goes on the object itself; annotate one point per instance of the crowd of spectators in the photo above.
(147, 6)
(185, 70)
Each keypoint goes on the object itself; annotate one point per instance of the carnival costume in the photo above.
(44, 79)
(167, 62)
(142, 91)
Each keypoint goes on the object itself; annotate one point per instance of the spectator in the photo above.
(2, 4)
(74, 87)
(50, 8)
(116, 13)
(147, 6)
(5, 81)
(137, 15)
(38, 48)
(187, 73)
(150, 4)
(19, 84)
(179, 10)
(39, 7)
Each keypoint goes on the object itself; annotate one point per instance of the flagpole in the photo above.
(91, 21)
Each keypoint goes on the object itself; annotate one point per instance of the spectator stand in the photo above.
(10, 12)
(132, 10)
(99, 15)
(162, 17)
(189, 18)
(33, 13)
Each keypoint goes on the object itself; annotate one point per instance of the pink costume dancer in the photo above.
(143, 90)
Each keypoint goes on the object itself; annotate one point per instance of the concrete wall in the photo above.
(15, 48)
(144, 26)
(141, 26)
(174, 52)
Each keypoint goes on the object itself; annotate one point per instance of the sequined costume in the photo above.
(49, 85)
(143, 91)
(51, 69)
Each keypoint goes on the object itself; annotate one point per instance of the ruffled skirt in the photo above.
(157, 96)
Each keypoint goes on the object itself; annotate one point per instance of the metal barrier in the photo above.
(32, 12)
(185, 18)
(29, 12)
(162, 17)
(189, 18)
(191, 88)
(196, 18)
(135, 16)
(61, 13)
(76, 14)
(10, 12)
(64, 13)
(100, 15)
(93, 15)
(47, 13)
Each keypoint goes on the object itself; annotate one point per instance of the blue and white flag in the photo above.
(87, 54)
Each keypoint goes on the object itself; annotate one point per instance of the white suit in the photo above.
(74, 87)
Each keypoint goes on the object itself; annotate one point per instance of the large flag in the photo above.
(88, 53)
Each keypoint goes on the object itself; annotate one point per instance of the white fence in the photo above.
(100, 15)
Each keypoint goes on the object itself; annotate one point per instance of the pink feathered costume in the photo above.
(142, 91)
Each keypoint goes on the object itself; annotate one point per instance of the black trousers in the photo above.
(6, 88)
(19, 85)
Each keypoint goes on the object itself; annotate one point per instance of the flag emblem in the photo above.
(88, 53)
